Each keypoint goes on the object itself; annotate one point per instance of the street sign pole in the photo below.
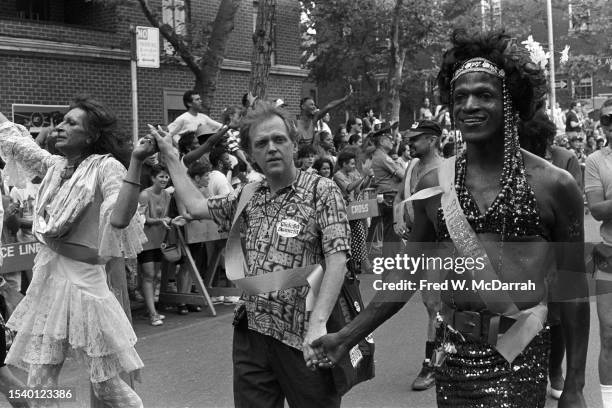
(551, 50)
(134, 81)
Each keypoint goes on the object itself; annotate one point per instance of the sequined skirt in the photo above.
(477, 376)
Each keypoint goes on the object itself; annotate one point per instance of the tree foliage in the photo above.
(353, 41)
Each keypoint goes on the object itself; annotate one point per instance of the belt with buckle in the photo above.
(483, 327)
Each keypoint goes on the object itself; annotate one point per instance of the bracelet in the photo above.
(132, 183)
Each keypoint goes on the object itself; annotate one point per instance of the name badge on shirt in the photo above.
(288, 228)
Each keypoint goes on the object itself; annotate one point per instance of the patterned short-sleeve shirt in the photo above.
(323, 231)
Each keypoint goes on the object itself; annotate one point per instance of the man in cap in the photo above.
(424, 141)
(193, 120)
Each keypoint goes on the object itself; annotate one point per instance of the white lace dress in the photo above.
(68, 308)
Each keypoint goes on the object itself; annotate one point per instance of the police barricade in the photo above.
(199, 231)
(358, 210)
(18, 256)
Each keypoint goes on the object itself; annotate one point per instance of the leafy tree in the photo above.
(370, 43)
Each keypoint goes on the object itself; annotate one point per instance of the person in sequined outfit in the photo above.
(506, 198)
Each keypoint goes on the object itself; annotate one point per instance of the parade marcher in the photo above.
(598, 189)
(424, 141)
(81, 223)
(155, 204)
(310, 115)
(278, 321)
(193, 120)
(499, 205)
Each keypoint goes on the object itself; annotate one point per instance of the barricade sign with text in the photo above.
(19, 256)
(357, 210)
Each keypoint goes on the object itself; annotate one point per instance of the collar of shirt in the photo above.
(265, 186)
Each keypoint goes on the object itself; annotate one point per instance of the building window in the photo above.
(583, 89)
(579, 17)
(34, 9)
(173, 14)
(255, 11)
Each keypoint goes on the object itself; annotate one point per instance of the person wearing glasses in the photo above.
(598, 189)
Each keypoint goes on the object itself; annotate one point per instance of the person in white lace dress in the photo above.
(68, 308)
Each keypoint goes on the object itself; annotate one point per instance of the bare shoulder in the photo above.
(545, 177)
(428, 180)
(557, 193)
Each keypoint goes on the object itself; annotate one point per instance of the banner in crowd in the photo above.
(37, 117)
(19, 256)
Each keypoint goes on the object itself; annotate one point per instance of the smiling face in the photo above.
(478, 107)
(420, 146)
(325, 170)
(309, 107)
(72, 135)
(272, 148)
(160, 180)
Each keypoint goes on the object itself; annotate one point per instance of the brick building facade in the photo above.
(65, 47)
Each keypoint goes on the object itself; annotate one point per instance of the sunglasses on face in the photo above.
(606, 120)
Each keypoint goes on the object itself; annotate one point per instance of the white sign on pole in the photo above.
(147, 47)
(560, 84)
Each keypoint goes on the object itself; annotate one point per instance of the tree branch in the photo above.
(170, 35)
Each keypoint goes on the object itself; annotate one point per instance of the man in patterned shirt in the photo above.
(294, 219)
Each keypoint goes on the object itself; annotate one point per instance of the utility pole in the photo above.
(551, 50)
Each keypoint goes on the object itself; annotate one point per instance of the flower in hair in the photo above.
(536, 52)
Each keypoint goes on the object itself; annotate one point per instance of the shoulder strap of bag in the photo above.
(235, 263)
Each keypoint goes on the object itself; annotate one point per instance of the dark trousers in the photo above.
(267, 371)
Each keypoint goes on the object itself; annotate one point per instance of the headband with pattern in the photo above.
(479, 65)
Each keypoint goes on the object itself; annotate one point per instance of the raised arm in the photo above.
(204, 148)
(125, 208)
(17, 147)
(186, 191)
(333, 104)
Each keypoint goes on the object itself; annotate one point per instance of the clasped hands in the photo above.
(322, 350)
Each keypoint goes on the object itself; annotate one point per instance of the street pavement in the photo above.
(188, 359)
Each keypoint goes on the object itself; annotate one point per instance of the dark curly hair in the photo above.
(102, 123)
(524, 79)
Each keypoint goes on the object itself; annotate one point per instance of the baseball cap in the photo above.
(423, 127)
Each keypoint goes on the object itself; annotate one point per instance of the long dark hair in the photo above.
(102, 123)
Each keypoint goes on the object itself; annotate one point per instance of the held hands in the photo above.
(164, 141)
(313, 357)
(328, 350)
(144, 148)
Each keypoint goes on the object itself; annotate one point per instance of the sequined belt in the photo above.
(482, 327)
